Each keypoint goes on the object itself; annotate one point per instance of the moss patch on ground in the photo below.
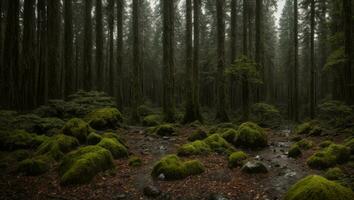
(237, 159)
(334, 173)
(250, 135)
(218, 144)
(34, 166)
(104, 118)
(117, 149)
(309, 128)
(93, 138)
(197, 147)
(318, 188)
(198, 134)
(265, 115)
(19, 139)
(152, 120)
(330, 156)
(164, 130)
(56, 146)
(77, 128)
(135, 161)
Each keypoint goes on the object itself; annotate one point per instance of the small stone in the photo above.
(161, 177)
(151, 191)
(254, 167)
(165, 137)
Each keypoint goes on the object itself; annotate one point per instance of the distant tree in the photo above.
(87, 51)
(99, 68)
(245, 85)
(349, 71)
(196, 8)
(312, 60)
(111, 71)
(120, 9)
(68, 47)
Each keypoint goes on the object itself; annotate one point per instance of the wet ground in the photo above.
(128, 182)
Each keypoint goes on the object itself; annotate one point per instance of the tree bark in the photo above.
(195, 73)
(87, 54)
(68, 47)
(111, 70)
(312, 61)
(99, 46)
(136, 60)
(348, 25)
(245, 86)
(120, 8)
(295, 104)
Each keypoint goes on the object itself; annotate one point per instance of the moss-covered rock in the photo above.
(117, 149)
(19, 139)
(164, 130)
(334, 113)
(82, 165)
(77, 128)
(294, 151)
(198, 134)
(325, 143)
(309, 128)
(305, 144)
(334, 173)
(115, 136)
(135, 161)
(318, 188)
(218, 144)
(250, 135)
(56, 146)
(237, 159)
(173, 168)
(195, 148)
(93, 138)
(229, 135)
(254, 167)
(152, 120)
(104, 118)
(328, 157)
(350, 144)
(222, 127)
(144, 110)
(34, 166)
(265, 115)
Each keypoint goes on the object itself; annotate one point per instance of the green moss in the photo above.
(328, 157)
(250, 135)
(334, 113)
(93, 138)
(325, 144)
(309, 128)
(229, 135)
(334, 173)
(318, 188)
(195, 148)
(117, 149)
(195, 124)
(82, 165)
(152, 120)
(218, 144)
(222, 127)
(265, 115)
(34, 166)
(77, 128)
(56, 146)
(350, 144)
(305, 144)
(237, 159)
(164, 130)
(19, 139)
(294, 151)
(115, 136)
(105, 118)
(198, 134)
(173, 168)
(144, 110)
(21, 154)
(135, 161)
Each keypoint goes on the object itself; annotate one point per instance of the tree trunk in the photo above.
(295, 101)
(312, 61)
(136, 60)
(68, 47)
(195, 73)
(87, 54)
(245, 86)
(221, 114)
(99, 46)
(258, 46)
(348, 25)
(111, 70)
(120, 8)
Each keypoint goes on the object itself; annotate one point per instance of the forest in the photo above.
(176, 99)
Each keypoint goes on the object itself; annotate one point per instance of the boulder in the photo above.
(104, 118)
(77, 128)
(254, 167)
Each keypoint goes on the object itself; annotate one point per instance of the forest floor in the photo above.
(128, 182)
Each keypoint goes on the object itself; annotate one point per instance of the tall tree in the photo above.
(168, 60)
(196, 8)
(68, 47)
(11, 66)
(53, 48)
(233, 48)
(258, 45)
(29, 62)
(99, 46)
(312, 60)
(245, 86)
(221, 114)
(120, 8)
(136, 59)
(295, 99)
(349, 72)
(87, 54)
(111, 70)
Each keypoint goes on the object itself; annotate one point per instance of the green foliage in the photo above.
(198, 134)
(173, 168)
(34, 166)
(115, 136)
(35, 124)
(325, 144)
(334, 173)
(93, 138)
(350, 144)
(152, 120)
(334, 113)
(243, 68)
(104, 118)
(294, 151)
(305, 144)
(21, 154)
(237, 159)
(195, 148)
(117, 149)
(6, 119)
(250, 135)
(318, 188)
(56, 146)
(229, 135)
(222, 127)
(82, 165)
(19, 139)
(265, 115)
(309, 128)
(328, 157)
(77, 128)
(218, 144)
(164, 130)
(335, 59)
(144, 110)
(135, 161)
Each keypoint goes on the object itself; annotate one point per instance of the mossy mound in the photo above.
(328, 157)
(77, 128)
(144, 110)
(117, 149)
(19, 139)
(218, 144)
(198, 134)
(6, 119)
(222, 127)
(335, 113)
(93, 138)
(56, 146)
(82, 165)
(104, 118)
(229, 135)
(294, 151)
(334, 173)
(195, 148)
(164, 130)
(135, 161)
(265, 115)
(325, 144)
(250, 135)
(237, 159)
(115, 136)
(350, 144)
(305, 144)
(35, 124)
(318, 188)
(173, 168)
(309, 128)
(21, 154)
(34, 166)
(152, 120)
